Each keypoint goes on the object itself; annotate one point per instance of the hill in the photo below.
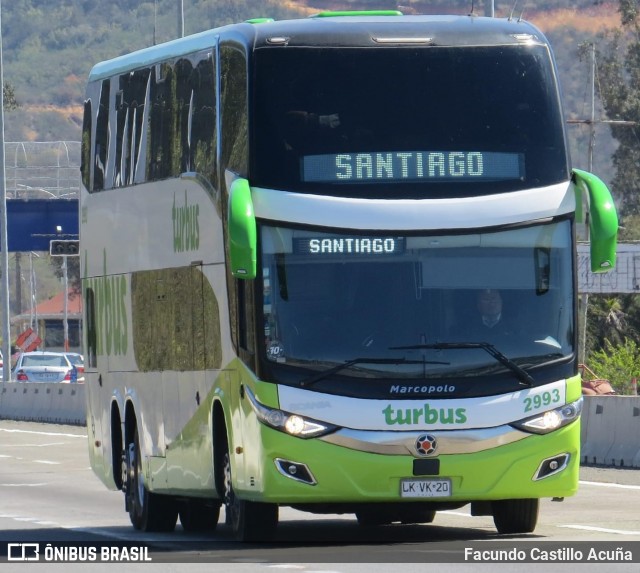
(49, 47)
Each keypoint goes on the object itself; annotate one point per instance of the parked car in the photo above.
(78, 361)
(44, 367)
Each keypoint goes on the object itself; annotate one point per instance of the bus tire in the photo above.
(199, 515)
(147, 511)
(416, 514)
(515, 515)
(249, 520)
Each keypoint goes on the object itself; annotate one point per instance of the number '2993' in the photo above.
(539, 400)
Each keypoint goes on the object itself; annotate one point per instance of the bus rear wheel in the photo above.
(147, 511)
(515, 515)
(249, 520)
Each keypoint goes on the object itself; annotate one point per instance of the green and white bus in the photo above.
(285, 228)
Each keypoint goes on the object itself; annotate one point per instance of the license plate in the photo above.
(48, 376)
(425, 488)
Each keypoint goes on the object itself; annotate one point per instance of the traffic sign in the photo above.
(33, 223)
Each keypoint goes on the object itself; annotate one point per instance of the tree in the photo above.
(9, 97)
(73, 271)
(619, 88)
(618, 364)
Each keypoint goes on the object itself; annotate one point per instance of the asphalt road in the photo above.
(49, 494)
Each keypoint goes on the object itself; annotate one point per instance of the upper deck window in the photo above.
(407, 122)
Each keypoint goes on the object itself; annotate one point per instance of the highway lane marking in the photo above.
(33, 461)
(606, 484)
(83, 436)
(601, 529)
(48, 445)
(22, 485)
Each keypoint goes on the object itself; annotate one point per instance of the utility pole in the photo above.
(65, 323)
(33, 317)
(65, 248)
(17, 307)
(4, 239)
(489, 8)
(180, 18)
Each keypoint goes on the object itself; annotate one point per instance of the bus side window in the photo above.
(202, 128)
(102, 138)
(85, 155)
(235, 136)
(246, 319)
(90, 328)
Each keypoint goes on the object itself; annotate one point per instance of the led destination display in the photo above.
(403, 166)
(348, 246)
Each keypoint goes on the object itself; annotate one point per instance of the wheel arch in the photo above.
(220, 443)
(130, 422)
(117, 444)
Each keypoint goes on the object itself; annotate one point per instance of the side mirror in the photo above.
(603, 221)
(242, 231)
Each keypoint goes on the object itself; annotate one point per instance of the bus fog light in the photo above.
(296, 471)
(552, 466)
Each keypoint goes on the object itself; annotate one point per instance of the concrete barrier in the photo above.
(35, 402)
(611, 431)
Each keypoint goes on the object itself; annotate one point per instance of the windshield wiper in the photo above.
(333, 370)
(523, 376)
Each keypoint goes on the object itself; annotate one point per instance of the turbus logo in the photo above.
(186, 226)
(424, 415)
(110, 326)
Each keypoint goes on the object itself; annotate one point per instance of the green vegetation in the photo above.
(618, 364)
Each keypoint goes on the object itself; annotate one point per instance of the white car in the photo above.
(78, 361)
(44, 367)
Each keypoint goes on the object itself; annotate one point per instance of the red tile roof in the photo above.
(55, 305)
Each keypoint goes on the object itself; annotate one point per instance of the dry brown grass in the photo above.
(596, 19)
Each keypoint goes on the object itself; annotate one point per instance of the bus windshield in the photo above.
(428, 307)
(409, 122)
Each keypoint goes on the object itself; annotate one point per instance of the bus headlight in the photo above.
(550, 420)
(292, 424)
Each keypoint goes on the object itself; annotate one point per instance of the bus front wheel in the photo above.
(147, 511)
(515, 515)
(249, 520)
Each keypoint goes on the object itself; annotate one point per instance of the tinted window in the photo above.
(410, 121)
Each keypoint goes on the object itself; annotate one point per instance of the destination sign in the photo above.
(412, 166)
(373, 246)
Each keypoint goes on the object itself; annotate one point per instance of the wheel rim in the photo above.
(231, 509)
(139, 479)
